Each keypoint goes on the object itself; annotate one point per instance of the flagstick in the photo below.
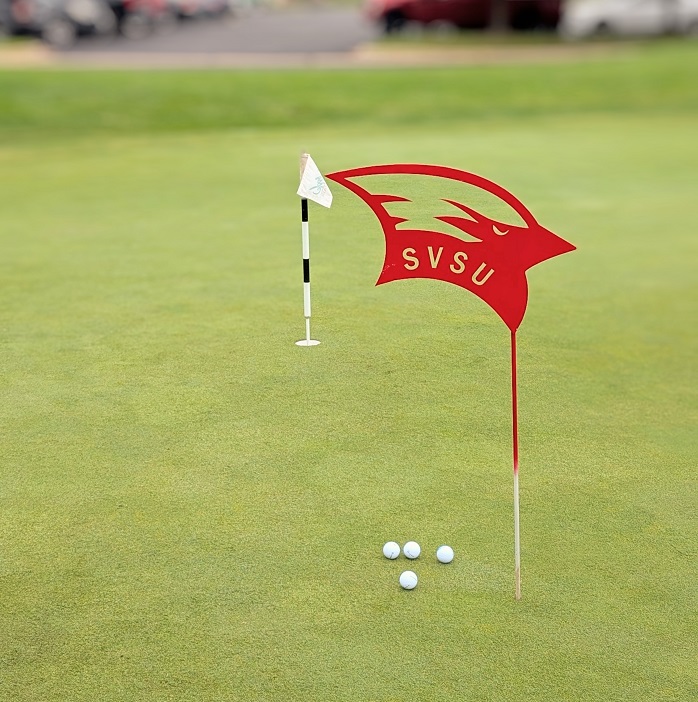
(305, 233)
(515, 426)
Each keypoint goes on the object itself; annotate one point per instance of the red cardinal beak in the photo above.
(540, 245)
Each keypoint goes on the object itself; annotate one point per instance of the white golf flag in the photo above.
(313, 186)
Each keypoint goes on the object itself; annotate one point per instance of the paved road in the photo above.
(292, 31)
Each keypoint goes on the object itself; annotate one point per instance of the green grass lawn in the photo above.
(192, 508)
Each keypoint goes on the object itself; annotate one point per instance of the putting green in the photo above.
(193, 508)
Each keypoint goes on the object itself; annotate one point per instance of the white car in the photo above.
(585, 18)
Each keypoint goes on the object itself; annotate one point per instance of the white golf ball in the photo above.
(391, 550)
(412, 550)
(408, 580)
(444, 554)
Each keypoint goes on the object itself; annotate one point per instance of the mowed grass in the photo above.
(193, 508)
(652, 78)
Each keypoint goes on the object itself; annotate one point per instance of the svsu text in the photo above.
(457, 263)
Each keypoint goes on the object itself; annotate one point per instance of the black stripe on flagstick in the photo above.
(306, 270)
(304, 210)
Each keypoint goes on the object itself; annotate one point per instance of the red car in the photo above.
(465, 14)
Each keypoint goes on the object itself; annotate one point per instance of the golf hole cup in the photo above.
(412, 550)
(391, 550)
(408, 580)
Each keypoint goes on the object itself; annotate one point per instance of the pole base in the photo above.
(307, 342)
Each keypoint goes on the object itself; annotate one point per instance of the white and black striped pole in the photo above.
(312, 187)
(305, 233)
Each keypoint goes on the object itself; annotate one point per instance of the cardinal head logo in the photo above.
(454, 241)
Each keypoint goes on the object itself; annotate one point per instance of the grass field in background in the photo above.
(651, 78)
(193, 508)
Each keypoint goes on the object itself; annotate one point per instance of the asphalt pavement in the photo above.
(318, 30)
(276, 38)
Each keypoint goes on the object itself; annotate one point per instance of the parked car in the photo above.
(57, 22)
(5, 18)
(136, 19)
(393, 15)
(587, 18)
(190, 9)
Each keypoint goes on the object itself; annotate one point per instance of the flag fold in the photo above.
(313, 186)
